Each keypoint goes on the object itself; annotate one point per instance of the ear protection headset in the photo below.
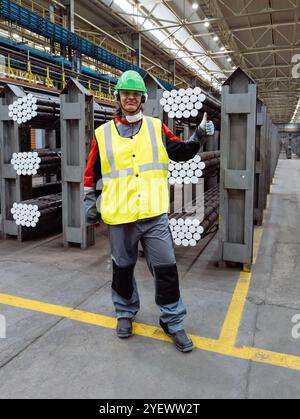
(144, 97)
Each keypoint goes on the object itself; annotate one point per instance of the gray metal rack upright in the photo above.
(14, 138)
(239, 104)
(77, 132)
(261, 161)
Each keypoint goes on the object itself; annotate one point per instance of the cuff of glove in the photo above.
(199, 134)
(92, 221)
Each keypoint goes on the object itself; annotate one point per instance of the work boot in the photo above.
(124, 328)
(182, 342)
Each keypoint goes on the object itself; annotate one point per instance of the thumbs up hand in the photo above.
(207, 127)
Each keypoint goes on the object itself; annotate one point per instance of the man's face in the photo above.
(130, 100)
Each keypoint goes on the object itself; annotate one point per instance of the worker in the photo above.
(127, 174)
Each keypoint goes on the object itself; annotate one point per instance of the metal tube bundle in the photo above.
(39, 211)
(183, 103)
(186, 172)
(210, 155)
(186, 103)
(212, 171)
(190, 172)
(34, 105)
(212, 163)
(35, 162)
(102, 114)
(187, 231)
(46, 189)
(198, 204)
(41, 107)
(212, 102)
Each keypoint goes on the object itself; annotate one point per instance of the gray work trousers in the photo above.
(157, 242)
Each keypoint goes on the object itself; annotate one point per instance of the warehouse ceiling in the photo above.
(208, 39)
(260, 36)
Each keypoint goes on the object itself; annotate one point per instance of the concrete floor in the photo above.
(45, 356)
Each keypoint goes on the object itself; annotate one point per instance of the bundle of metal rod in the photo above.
(212, 171)
(197, 206)
(202, 209)
(210, 221)
(211, 163)
(99, 120)
(200, 203)
(33, 212)
(210, 155)
(211, 206)
(188, 103)
(102, 114)
(46, 152)
(33, 163)
(212, 168)
(186, 172)
(45, 107)
(46, 189)
(187, 231)
(49, 169)
(34, 105)
(212, 102)
(183, 103)
(212, 114)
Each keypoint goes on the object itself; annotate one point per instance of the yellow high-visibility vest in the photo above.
(135, 173)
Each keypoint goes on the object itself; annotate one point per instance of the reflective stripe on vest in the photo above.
(153, 140)
(153, 166)
(115, 174)
(118, 174)
(135, 173)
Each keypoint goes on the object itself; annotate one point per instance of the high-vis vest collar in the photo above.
(134, 173)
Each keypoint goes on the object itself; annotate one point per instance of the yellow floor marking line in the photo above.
(210, 345)
(262, 356)
(233, 319)
(77, 315)
(60, 311)
(234, 315)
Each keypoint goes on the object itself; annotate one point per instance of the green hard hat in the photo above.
(131, 80)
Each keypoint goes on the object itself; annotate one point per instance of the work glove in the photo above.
(207, 127)
(92, 216)
(202, 131)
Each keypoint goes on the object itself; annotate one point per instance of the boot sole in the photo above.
(184, 350)
(124, 335)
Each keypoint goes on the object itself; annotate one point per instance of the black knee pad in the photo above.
(167, 284)
(123, 280)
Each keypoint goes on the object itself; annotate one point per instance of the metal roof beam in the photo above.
(266, 11)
